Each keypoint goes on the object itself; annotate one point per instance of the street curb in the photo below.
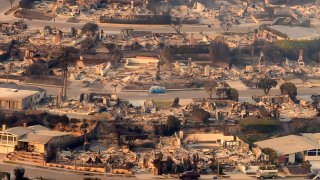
(45, 85)
(68, 170)
(189, 89)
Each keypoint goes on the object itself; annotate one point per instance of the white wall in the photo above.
(292, 158)
(207, 137)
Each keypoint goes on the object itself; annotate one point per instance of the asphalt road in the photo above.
(75, 88)
(116, 28)
(33, 172)
(243, 94)
(5, 5)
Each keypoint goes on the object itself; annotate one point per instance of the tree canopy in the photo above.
(173, 124)
(271, 153)
(219, 52)
(233, 94)
(19, 173)
(90, 28)
(222, 92)
(175, 102)
(210, 88)
(200, 115)
(290, 89)
(266, 84)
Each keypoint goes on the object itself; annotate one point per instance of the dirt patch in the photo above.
(47, 80)
(32, 14)
(73, 20)
(167, 85)
(248, 83)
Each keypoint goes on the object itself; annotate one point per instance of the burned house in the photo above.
(5, 50)
(277, 99)
(221, 109)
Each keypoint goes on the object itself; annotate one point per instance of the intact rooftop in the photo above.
(289, 144)
(11, 91)
(299, 33)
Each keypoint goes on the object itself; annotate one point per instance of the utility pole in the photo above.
(54, 9)
(65, 76)
(115, 87)
(218, 173)
(180, 26)
(7, 75)
(65, 59)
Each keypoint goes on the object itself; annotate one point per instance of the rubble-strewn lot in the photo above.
(221, 134)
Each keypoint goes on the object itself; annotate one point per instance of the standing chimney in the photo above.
(4, 127)
(255, 36)
(191, 39)
(300, 60)
(301, 54)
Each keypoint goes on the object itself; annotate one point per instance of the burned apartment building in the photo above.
(5, 50)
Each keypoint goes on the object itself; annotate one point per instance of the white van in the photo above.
(267, 171)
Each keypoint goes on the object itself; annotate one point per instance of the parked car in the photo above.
(189, 175)
(157, 89)
(313, 175)
(86, 83)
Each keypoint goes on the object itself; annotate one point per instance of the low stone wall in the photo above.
(35, 159)
(78, 167)
(121, 171)
(10, 80)
(137, 19)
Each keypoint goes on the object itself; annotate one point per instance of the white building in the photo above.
(293, 148)
(292, 33)
(18, 97)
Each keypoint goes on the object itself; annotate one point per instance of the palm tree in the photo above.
(83, 130)
(115, 87)
(11, 2)
(54, 11)
(64, 60)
